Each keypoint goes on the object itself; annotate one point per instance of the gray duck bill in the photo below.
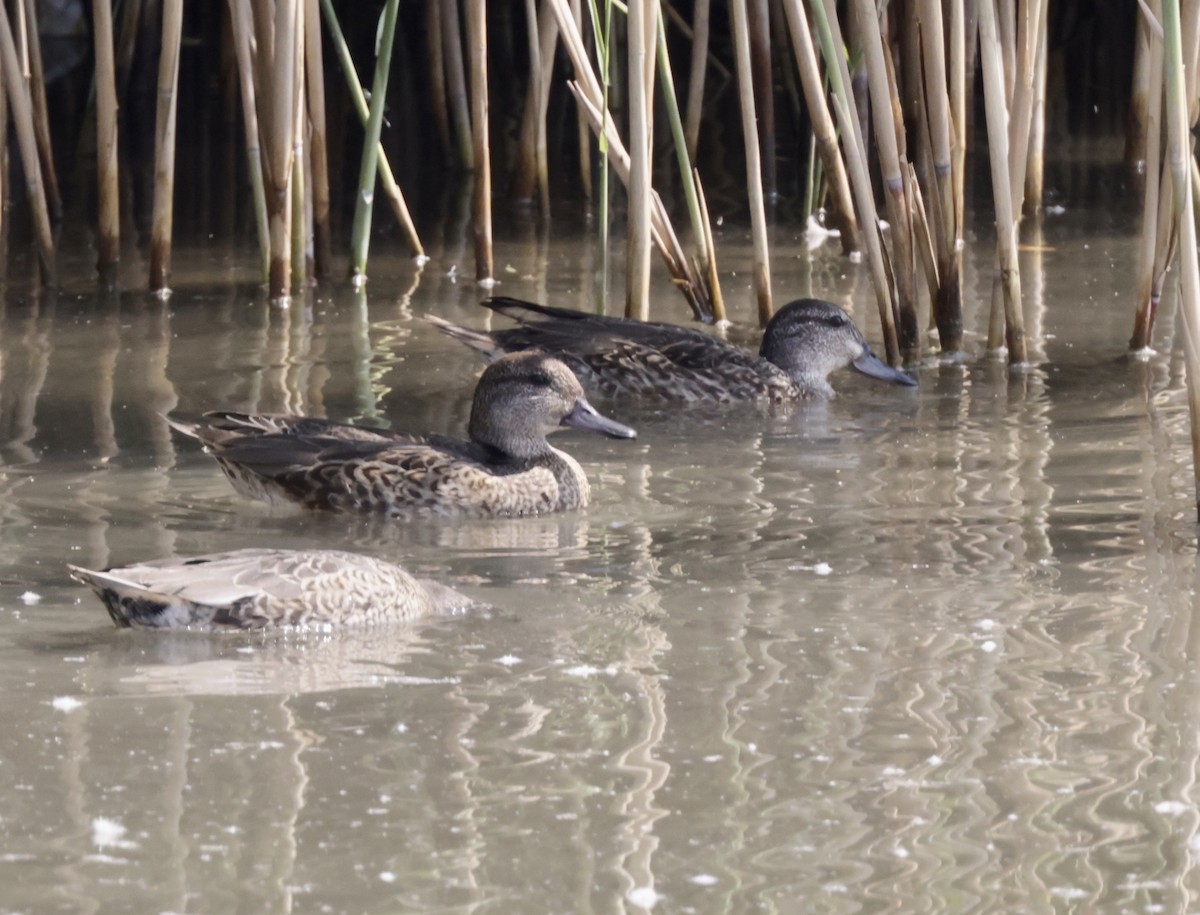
(585, 416)
(870, 364)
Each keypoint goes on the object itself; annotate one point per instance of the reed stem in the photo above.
(1146, 302)
(830, 40)
(688, 178)
(21, 110)
(314, 71)
(456, 82)
(697, 70)
(601, 33)
(477, 40)
(754, 180)
(361, 232)
(41, 115)
(823, 130)
(947, 306)
(240, 19)
(641, 18)
(108, 228)
(164, 147)
(1179, 154)
(883, 106)
(391, 190)
(1008, 277)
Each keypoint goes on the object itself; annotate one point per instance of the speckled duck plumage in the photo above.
(257, 589)
(805, 341)
(508, 467)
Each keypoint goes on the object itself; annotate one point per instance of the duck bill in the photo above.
(870, 364)
(585, 416)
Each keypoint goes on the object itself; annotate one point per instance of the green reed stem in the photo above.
(387, 178)
(602, 34)
(360, 237)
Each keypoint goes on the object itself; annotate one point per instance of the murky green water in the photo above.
(921, 651)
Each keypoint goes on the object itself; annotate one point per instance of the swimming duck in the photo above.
(257, 589)
(804, 341)
(507, 468)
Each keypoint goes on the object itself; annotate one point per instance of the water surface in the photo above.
(922, 650)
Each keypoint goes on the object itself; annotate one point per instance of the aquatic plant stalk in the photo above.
(601, 33)
(437, 71)
(41, 115)
(1035, 165)
(361, 232)
(22, 114)
(456, 82)
(302, 257)
(531, 169)
(482, 197)
(314, 70)
(1012, 329)
(391, 190)
(1146, 302)
(108, 228)
(823, 131)
(830, 40)
(164, 146)
(759, 35)
(278, 53)
(947, 233)
(689, 178)
(583, 130)
(587, 92)
(696, 73)
(642, 17)
(1179, 153)
(754, 181)
(240, 19)
(960, 54)
(884, 104)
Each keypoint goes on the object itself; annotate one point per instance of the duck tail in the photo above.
(134, 606)
(216, 429)
(186, 428)
(530, 312)
(479, 341)
(131, 605)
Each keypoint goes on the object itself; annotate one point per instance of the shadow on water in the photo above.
(919, 650)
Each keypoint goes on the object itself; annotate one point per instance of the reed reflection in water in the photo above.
(901, 651)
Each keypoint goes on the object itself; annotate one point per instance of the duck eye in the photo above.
(541, 379)
(837, 320)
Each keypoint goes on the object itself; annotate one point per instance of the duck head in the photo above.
(523, 397)
(810, 338)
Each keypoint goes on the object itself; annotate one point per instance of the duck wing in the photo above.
(434, 475)
(288, 424)
(650, 360)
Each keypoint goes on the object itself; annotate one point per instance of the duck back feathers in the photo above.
(263, 588)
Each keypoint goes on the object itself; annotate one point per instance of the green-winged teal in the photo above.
(507, 468)
(256, 589)
(805, 341)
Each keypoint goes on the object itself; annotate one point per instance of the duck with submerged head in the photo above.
(506, 469)
(259, 589)
(804, 341)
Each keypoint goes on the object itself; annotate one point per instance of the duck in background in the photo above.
(802, 344)
(258, 589)
(508, 468)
